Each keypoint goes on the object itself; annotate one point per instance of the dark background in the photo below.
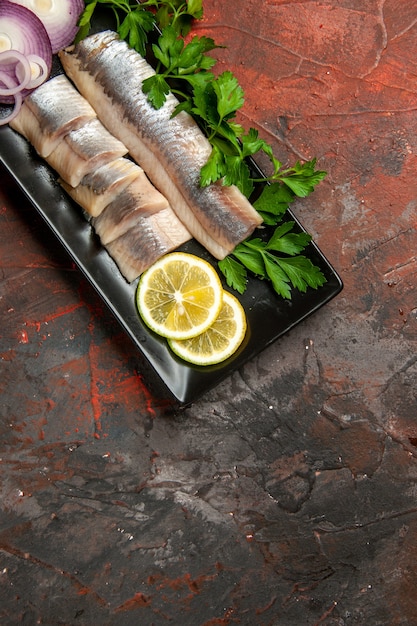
(286, 496)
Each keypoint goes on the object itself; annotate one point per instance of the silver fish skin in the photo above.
(171, 150)
(151, 237)
(103, 185)
(83, 150)
(139, 199)
(50, 112)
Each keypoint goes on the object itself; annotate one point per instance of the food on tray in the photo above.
(134, 221)
(179, 296)
(220, 340)
(129, 119)
(146, 241)
(103, 186)
(50, 112)
(138, 200)
(171, 150)
(64, 129)
(83, 150)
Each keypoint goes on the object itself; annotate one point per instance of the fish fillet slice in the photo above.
(170, 150)
(27, 125)
(139, 199)
(151, 237)
(50, 112)
(101, 186)
(84, 150)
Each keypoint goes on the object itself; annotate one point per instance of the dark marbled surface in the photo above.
(286, 496)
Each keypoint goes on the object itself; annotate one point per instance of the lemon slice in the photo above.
(220, 340)
(179, 296)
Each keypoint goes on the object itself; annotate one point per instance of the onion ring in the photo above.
(17, 98)
(41, 68)
(22, 72)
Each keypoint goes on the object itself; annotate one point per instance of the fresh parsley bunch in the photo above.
(278, 258)
(180, 63)
(134, 20)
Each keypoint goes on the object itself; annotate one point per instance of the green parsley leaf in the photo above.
(169, 48)
(192, 56)
(267, 149)
(178, 14)
(273, 202)
(156, 88)
(195, 8)
(229, 95)
(237, 173)
(235, 274)
(279, 279)
(214, 168)
(302, 178)
(84, 21)
(250, 254)
(198, 81)
(251, 143)
(134, 28)
(205, 105)
(283, 240)
(301, 272)
(228, 148)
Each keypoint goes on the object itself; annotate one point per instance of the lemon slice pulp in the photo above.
(220, 340)
(179, 296)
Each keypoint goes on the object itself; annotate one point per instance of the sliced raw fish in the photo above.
(50, 112)
(150, 238)
(140, 198)
(27, 125)
(83, 150)
(171, 150)
(101, 186)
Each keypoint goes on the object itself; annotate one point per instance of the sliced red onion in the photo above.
(60, 18)
(17, 99)
(22, 31)
(39, 70)
(22, 72)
